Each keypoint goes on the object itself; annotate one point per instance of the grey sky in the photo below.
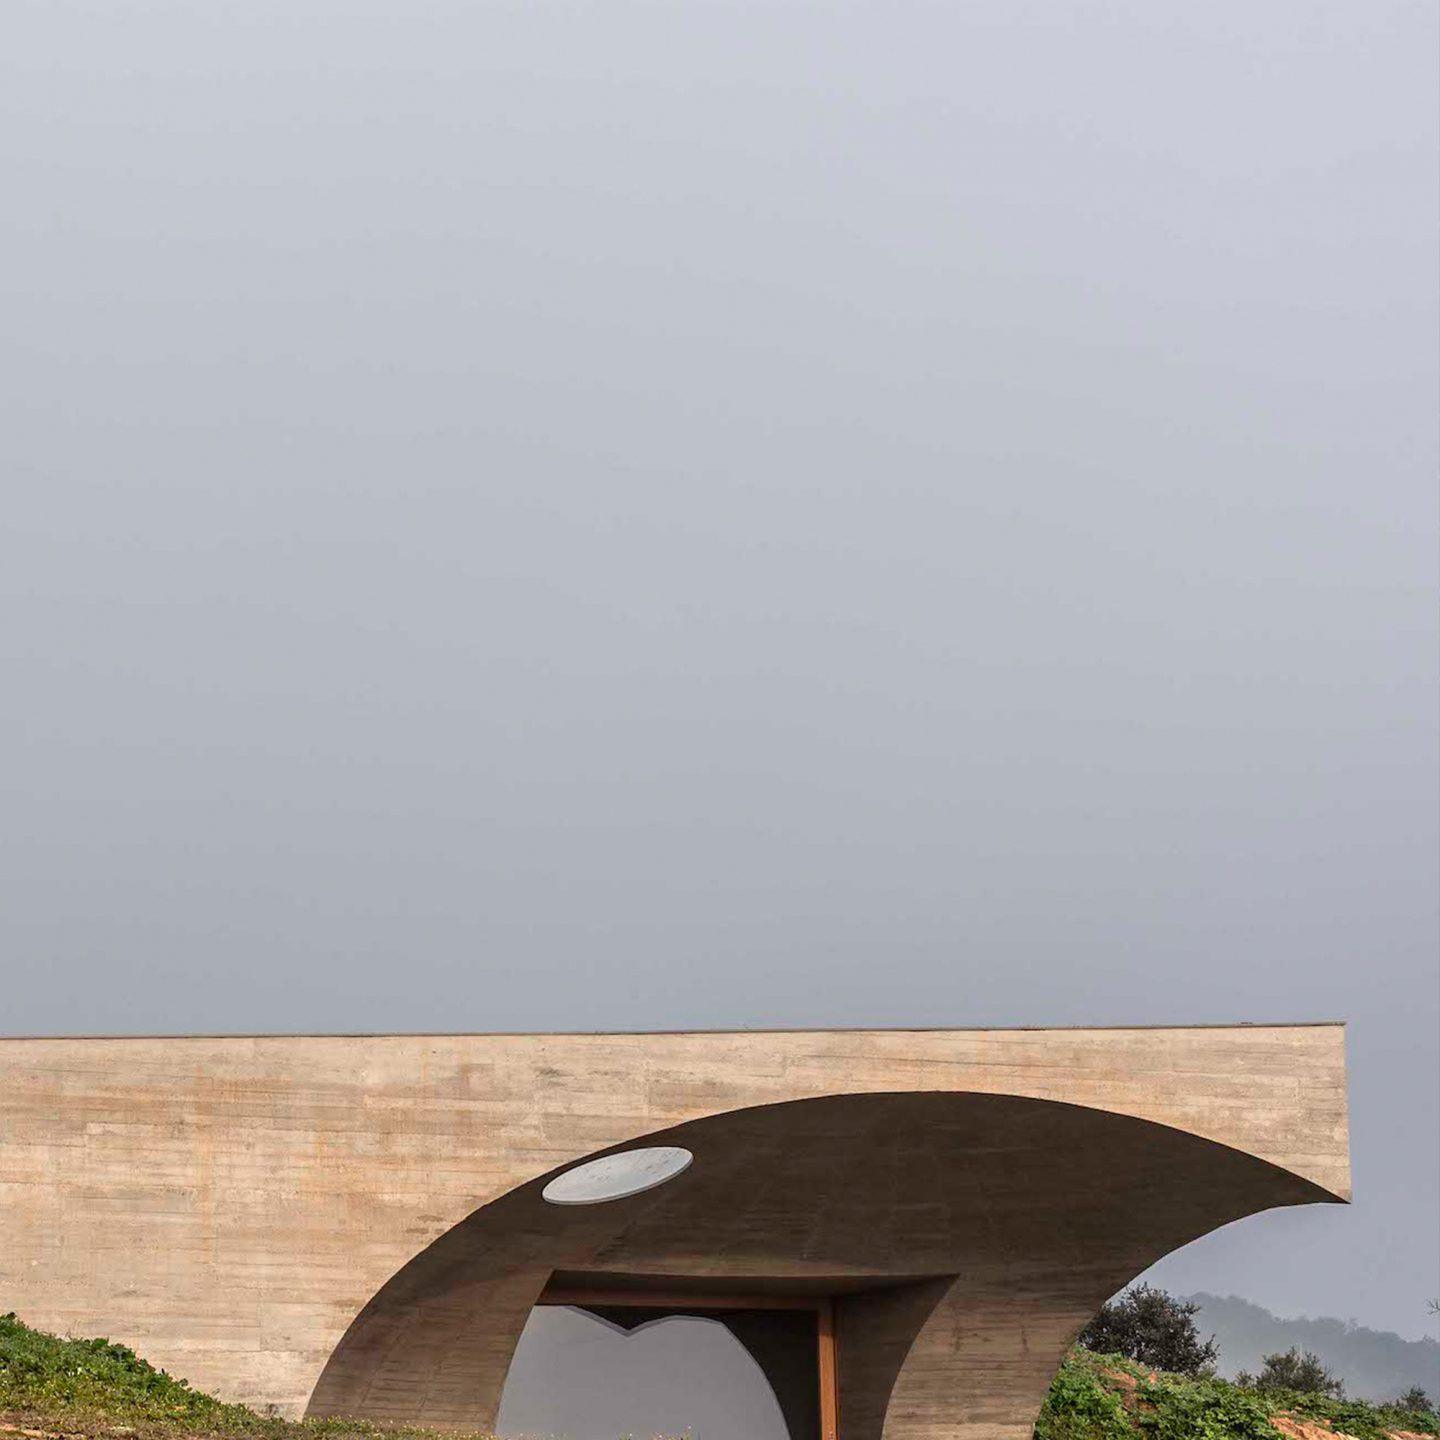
(618, 516)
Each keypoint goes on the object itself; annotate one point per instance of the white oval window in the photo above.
(613, 1177)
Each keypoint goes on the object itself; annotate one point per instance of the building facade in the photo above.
(355, 1225)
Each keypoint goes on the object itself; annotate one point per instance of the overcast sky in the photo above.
(576, 515)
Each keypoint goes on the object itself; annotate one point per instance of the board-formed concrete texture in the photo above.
(354, 1225)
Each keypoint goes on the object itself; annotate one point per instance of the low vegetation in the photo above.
(87, 1388)
(51, 1387)
(1111, 1397)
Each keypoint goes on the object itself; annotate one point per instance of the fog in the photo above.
(554, 516)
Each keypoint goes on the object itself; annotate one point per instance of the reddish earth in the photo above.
(1295, 1429)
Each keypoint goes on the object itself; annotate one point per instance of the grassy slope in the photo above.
(91, 1387)
(94, 1387)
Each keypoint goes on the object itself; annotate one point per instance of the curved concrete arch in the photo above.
(965, 1239)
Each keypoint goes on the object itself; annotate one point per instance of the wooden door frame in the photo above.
(822, 1306)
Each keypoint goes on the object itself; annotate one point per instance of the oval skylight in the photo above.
(613, 1177)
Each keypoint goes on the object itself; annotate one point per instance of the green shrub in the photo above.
(1154, 1328)
(1301, 1371)
(1081, 1407)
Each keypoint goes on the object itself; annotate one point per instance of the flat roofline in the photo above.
(701, 1030)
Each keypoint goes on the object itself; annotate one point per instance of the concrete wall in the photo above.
(236, 1207)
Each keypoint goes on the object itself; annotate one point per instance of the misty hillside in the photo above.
(1374, 1364)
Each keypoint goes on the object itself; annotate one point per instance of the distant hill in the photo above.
(1374, 1364)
